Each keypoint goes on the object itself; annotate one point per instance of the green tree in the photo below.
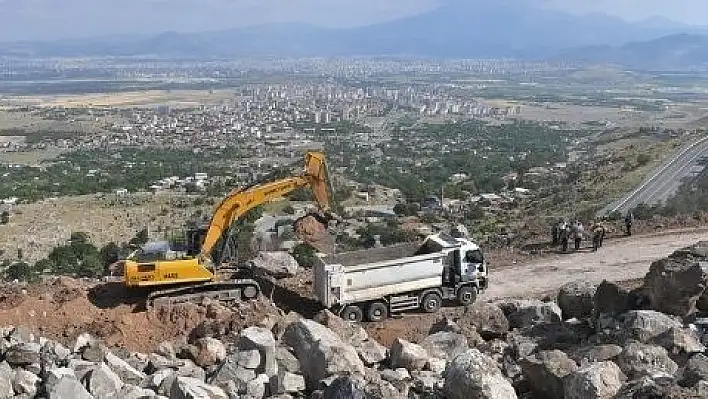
(90, 266)
(79, 237)
(141, 237)
(5, 217)
(21, 271)
(304, 254)
(110, 253)
(289, 210)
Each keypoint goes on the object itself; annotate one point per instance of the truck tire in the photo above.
(467, 295)
(352, 313)
(378, 311)
(431, 302)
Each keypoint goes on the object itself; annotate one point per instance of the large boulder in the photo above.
(486, 319)
(25, 382)
(23, 354)
(575, 299)
(262, 340)
(408, 355)
(192, 388)
(611, 299)
(344, 387)
(127, 373)
(638, 360)
(321, 352)
(351, 333)
(372, 352)
(102, 382)
(528, 312)
(545, 372)
(681, 343)
(645, 325)
(68, 387)
(597, 353)
(208, 351)
(276, 264)
(674, 284)
(696, 370)
(475, 375)
(445, 345)
(657, 386)
(6, 379)
(597, 381)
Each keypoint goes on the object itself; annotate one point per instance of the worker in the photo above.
(555, 233)
(628, 221)
(578, 232)
(598, 235)
(564, 235)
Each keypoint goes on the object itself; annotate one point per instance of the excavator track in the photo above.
(229, 291)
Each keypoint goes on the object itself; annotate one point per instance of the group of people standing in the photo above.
(564, 232)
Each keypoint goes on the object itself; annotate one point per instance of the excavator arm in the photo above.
(239, 202)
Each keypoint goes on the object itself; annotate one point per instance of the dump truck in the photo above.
(374, 283)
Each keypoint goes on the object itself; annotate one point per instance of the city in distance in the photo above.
(454, 176)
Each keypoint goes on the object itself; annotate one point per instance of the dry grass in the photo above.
(29, 157)
(174, 98)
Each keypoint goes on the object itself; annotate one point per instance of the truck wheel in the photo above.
(467, 295)
(352, 313)
(431, 302)
(377, 312)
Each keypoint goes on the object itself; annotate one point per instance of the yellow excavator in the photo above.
(196, 275)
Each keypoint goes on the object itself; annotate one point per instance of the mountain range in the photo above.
(458, 29)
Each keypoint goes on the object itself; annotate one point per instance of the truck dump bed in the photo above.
(376, 273)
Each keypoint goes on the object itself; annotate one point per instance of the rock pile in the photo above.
(592, 342)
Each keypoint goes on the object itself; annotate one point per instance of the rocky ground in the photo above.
(589, 339)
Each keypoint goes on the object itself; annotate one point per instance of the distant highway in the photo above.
(665, 181)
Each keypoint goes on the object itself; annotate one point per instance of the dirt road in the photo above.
(618, 260)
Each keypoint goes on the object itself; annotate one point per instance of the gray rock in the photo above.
(436, 365)
(23, 354)
(262, 340)
(80, 367)
(344, 387)
(208, 351)
(524, 313)
(192, 388)
(276, 264)
(545, 372)
(249, 359)
(488, 320)
(350, 333)
(82, 341)
(286, 382)
(597, 380)
(638, 360)
(397, 375)
(127, 373)
(655, 386)
(53, 377)
(426, 384)
(25, 382)
(611, 299)
(696, 370)
(102, 382)
(321, 352)
(681, 343)
(371, 352)
(445, 345)
(68, 388)
(158, 362)
(445, 324)
(644, 325)
(230, 371)
(94, 352)
(60, 352)
(189, 369)
(575, 299)
(20, 335)
(475, 375)
(256, 388)
(593, 354)
(408, 355)
(674, 284)
(132, 392)
(166, 349)
(286, 360)
(7, 377)
(154, 380)
(376, 388)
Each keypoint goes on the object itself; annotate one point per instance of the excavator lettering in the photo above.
(196, 274)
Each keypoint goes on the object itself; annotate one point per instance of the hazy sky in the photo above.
(47, 19)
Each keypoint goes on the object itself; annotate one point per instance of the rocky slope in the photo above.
(591, 341)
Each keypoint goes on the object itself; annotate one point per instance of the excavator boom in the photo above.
(192, 279)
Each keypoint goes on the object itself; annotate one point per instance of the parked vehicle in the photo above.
(374, 283)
